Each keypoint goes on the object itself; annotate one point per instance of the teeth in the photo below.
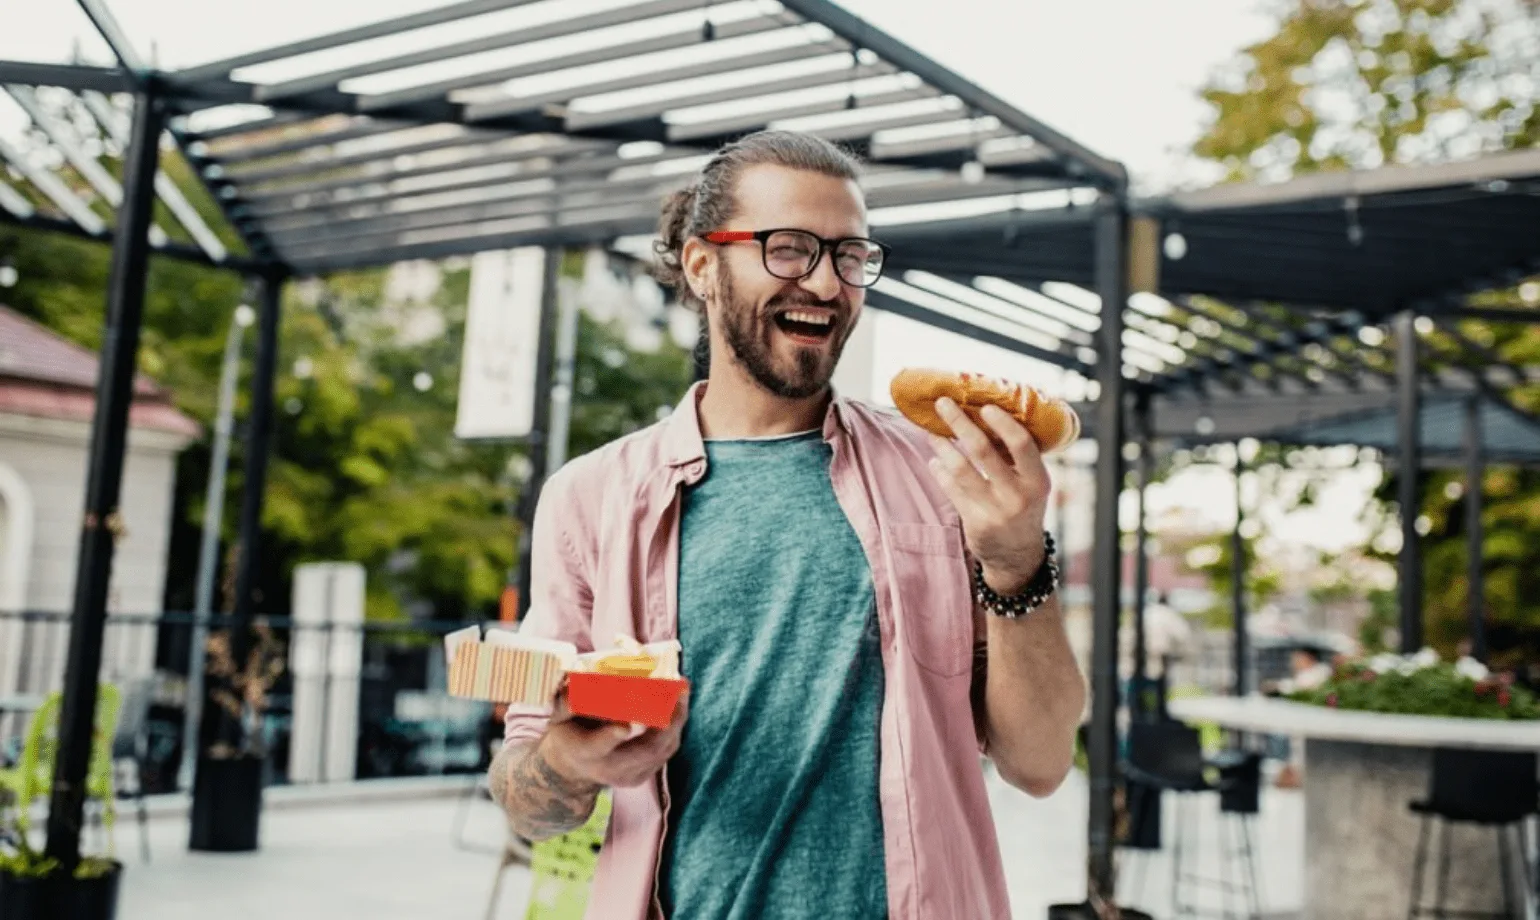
(815, 319)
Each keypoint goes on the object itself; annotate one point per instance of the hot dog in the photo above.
(1053, 424)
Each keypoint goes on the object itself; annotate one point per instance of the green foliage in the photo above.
(24, 862)
(1211, 557)
(364, 465)
(1364, 83)
(1436, 690)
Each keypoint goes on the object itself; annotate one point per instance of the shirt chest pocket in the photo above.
(935, 621)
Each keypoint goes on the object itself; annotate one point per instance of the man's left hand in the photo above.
(1001, 496)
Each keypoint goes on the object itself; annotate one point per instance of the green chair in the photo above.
(563, 868)
(32, 776)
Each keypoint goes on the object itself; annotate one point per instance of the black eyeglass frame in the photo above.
(824, 246)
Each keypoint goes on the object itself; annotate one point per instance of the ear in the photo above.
(698, 259)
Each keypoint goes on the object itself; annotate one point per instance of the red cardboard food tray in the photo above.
(648, 701)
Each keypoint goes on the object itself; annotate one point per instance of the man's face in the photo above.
(755, 314)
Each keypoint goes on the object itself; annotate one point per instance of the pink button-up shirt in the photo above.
(606, 562)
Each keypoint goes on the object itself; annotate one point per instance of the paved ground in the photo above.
(394, 860)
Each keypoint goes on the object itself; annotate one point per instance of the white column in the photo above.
(326, 656)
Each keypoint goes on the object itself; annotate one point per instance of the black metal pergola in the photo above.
(551, 130)
(1236, 311)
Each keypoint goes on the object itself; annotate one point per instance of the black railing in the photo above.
(406, 724)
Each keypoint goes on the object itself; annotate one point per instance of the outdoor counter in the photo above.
(1361, 771)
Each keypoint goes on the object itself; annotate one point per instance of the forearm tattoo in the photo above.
(540, 802)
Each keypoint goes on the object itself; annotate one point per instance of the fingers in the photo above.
(1026, 456)
(972, 440)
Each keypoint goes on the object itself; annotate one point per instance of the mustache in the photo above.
(790, 301)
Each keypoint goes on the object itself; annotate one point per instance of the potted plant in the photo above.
(1422, 684)
(34, 886)
(227, 789)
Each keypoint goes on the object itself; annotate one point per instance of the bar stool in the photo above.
(1495, 789)
(1167, 756)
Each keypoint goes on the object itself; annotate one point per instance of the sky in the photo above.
(1120, 76)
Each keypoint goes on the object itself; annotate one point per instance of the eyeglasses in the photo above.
(792, 255)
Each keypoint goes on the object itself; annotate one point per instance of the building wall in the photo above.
(50, 457)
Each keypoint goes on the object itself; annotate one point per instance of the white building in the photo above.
(47, 398)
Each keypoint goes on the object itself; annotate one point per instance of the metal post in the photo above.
(1238, 584)
(1143, 425)
(544, 371)
(208, 551)
(1102, 744)
(1409, 460)
(563, 380)
(1475, 468)
(258, 436)
(104, 478)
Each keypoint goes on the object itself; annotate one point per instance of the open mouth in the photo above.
(809, 326)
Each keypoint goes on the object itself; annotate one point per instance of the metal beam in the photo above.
(1241, 652)
(439, 89)
(252, 176)
(1144, 427)
(756, 95)
(89, 168)
(909, 310)
(1408, 476)
(504, 188)
(171, 250)
(521, 105)
(549, 203)
(264, 123)
(102, 520)
(356, 128)
(1111, 278)
(1475, 561)
(107, 26)
(67, 76)
(182, 209)
(430, 17)
(600, 229)
(499, 41)
(15, 205)
(257, 198)
(746, 123)
(1106, 173)
(53, 187)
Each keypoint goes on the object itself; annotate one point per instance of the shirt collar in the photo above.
(685, 445)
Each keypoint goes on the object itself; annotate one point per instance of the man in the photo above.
(816, 560)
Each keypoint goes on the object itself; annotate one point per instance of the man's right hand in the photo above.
(601, 754)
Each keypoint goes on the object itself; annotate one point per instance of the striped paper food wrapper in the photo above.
(505, 667)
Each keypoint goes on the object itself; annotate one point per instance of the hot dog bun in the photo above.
(1053, 424)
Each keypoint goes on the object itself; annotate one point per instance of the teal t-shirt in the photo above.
(775, 812)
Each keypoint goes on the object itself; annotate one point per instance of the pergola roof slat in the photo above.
(431, 17)
(683, 38)
(524, 35)
(518, 105)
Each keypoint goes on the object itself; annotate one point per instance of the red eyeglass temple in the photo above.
(730, 236)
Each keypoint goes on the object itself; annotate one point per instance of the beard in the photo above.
(750, 334)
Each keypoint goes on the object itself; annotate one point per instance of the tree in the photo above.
(1365, 83)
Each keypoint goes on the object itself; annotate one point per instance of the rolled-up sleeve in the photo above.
(561, 601)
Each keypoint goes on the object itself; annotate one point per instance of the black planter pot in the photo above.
(25, 898)
(227, 805)
(89, 898)
(60, 898)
